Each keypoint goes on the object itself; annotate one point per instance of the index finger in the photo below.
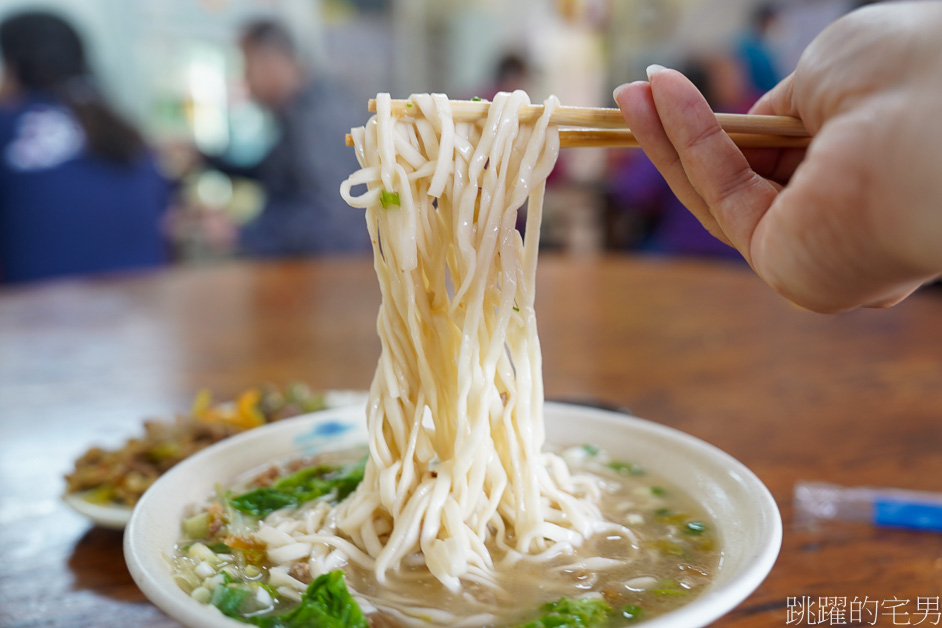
(735, 194)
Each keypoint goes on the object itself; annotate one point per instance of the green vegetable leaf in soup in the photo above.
(263, 501)
(229, 599)
(572, 613)
(298, 488)
(326, 604)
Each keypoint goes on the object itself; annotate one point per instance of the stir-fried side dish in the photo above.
(251, 561)
(458, 516)
(120, 476)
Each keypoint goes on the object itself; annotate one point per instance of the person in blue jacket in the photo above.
(79, 190)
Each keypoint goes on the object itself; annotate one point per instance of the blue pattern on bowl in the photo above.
(321, 435)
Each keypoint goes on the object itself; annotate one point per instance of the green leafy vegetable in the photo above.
(301, 395)
(298, 488)
(229, 599)
(320, 480)
(694, 528)
(569, 613)
(326, 604)
(388, 199)
(99, 495)
(658, 491)
(669, 587)
(626, 468)
(264, 501)
(631, 612)
(227, 577)
(516, 309)
(669, 548)
(219, 548)
(592, 450)
(269, 589)
(476, 99)
(666, 515)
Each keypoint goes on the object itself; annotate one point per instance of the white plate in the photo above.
(747, 518)
(115, 517)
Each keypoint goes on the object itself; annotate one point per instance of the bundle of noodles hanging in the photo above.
(456, 469)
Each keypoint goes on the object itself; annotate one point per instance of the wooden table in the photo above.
(853, 399)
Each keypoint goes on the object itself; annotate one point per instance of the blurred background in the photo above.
(228, 97)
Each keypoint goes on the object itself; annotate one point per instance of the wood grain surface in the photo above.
(854, 399)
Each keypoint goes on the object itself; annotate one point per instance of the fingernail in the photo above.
(619, 90)
(654, 69)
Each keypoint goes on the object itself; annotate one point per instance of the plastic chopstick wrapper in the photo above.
(888, 507)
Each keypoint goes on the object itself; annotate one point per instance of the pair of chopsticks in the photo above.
(601, 127)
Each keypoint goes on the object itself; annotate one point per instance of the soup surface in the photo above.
(249, 550)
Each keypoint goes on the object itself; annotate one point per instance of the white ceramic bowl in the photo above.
(747, 519)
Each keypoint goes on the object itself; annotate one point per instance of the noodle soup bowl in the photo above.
(746, 518)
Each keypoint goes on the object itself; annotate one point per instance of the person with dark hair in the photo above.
(301, 175)
(79, 190)
(513, 72)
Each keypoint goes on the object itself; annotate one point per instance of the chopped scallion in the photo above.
(631, 612)
(669, 587)
(388, 199)
(625, 468)
(694, 528)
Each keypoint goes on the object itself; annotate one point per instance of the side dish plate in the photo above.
(116, 516)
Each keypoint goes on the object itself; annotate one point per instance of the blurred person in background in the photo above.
(301, 175)
(756, 54)
(512, 72)
(79, 189)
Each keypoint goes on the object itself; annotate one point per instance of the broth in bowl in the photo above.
(253, 552)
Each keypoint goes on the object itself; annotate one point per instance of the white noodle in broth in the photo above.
(456, 469)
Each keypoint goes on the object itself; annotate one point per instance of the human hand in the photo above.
(856, 218)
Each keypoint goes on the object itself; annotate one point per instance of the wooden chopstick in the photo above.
(601, 127)
(624, 138)
(603, 118)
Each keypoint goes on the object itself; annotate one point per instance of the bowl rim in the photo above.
(706, 608)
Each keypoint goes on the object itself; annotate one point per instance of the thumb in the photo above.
(819, 243)
(778, 101)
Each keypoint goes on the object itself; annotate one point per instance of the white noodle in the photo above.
(455, 417)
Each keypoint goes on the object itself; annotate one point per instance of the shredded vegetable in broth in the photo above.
(455, 514)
